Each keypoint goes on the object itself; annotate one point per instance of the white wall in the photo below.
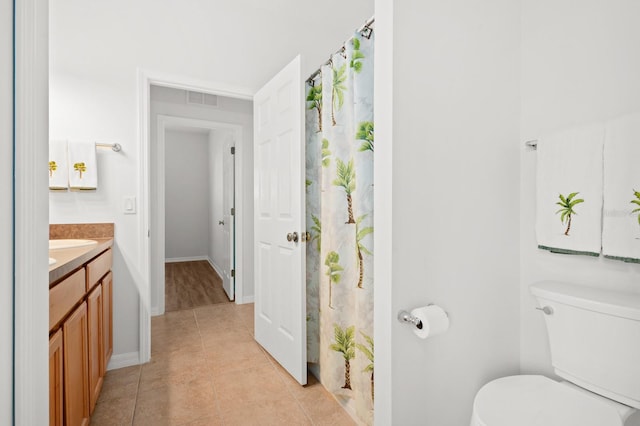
(84, 109)
(455, 222)
(6, 212)
(187, 194)
(579, 65)
(96, 50)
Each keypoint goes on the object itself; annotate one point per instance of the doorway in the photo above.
(199, 201)
(194, 207)
(150, 237)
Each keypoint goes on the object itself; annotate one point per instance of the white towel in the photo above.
(621, 226)
(569, 165)
(58, 170)
(83, 171)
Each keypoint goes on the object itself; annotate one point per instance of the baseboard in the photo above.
(124, 360)
(155, 311)
(185, 259)
(215, 268)
(245, 299)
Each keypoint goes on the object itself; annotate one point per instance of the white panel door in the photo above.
(228, 220)
(280, 293)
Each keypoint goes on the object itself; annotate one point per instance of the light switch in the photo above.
(129, 205)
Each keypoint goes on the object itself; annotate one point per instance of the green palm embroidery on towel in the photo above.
(52, 168)
(80, 167)
(636, 202)
(345, 344)
(566, 208)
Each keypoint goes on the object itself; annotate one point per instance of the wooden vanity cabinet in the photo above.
(96, 341)
(98, 267)
(64, 296)
(80, 340)
(107, 319)
(56, 401)
(76, 367)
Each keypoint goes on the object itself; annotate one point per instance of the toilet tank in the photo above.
(594, 337)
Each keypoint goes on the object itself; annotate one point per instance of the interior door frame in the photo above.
(166, 122)
(33, 26)
(146, 79)
(30, 214)
(6, 214)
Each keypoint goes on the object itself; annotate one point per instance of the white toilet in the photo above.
(594, 337)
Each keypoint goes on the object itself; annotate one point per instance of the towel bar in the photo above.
(114, 146)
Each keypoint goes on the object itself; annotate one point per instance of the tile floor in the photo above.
(206, 369)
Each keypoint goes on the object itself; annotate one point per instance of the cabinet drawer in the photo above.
(98, 267)
(65, 295)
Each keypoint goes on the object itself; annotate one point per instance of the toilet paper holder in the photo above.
(406, 318)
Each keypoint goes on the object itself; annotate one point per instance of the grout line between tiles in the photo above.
(211, 378)
(282, 379)
(135, 404)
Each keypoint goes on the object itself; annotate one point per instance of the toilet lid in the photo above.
(540, 401)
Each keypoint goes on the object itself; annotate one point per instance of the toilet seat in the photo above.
(540, 401)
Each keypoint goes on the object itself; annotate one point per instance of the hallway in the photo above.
(206, 369)
(192, 284)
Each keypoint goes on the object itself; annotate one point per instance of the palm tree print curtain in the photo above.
(339, 164)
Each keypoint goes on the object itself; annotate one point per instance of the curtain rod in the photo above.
(366, 29)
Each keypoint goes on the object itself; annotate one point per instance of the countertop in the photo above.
(70, 259)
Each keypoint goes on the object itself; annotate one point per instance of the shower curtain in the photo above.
(339, 214)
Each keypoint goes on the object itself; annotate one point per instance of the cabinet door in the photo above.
(76, 368)
(96, 355)
(55, 380)
(107, 319)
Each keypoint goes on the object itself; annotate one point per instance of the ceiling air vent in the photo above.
(202, 99)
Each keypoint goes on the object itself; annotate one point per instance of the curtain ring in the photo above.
(366, 32)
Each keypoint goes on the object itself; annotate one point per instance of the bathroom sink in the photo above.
(69, 243)
(52, 261)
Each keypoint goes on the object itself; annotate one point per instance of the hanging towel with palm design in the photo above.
(58, 171)
(83, 170)
(621, 221)
(569, 190)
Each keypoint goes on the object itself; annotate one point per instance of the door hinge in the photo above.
(233, 150)
(233, 211)
(233, 273)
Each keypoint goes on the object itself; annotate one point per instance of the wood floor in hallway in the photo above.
(206, 369)
(192, 284)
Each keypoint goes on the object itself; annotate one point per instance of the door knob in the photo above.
(292, 237)
(305, 236)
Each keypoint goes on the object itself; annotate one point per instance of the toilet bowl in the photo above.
(594, 342)
(540, 401)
